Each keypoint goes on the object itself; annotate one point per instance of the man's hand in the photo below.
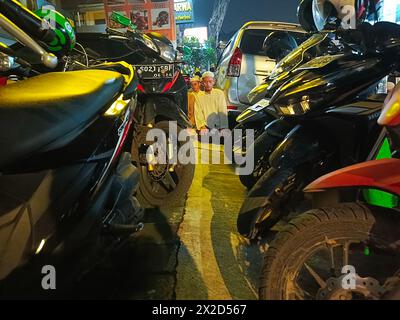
(203, 131)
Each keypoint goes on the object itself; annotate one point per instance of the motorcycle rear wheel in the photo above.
(163, 187)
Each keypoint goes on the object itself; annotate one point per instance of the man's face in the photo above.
(209, 83)
(195, 86)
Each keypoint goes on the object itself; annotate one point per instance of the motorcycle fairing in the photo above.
(378, 174)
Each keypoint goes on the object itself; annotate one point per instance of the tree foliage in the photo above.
(199, 55)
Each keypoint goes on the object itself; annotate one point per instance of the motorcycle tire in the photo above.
(318, 229)
(151, 196)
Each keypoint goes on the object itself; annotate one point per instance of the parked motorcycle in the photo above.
(275, 47)
(162, 97)
(262, 116)
(67, 181)
(343, 251)
(162, 100)
(321, 131)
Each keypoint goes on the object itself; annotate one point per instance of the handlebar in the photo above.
(48, 59)
(27, 20)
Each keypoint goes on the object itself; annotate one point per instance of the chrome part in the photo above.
(48, 59)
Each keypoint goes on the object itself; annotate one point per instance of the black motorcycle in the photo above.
(322, 130)
(262, 117)
(67, 181)
(162, 100)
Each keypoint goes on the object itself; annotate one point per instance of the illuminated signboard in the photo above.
(391, 10)
(184, 11)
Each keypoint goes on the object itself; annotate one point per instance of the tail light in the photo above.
(232, 108)
(235, 64)
(3, 81)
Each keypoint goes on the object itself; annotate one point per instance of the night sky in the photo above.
(241, 11)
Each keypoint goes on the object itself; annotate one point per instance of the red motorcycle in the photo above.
(343, 251)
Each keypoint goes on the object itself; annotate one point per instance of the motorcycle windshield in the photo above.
(296, 57)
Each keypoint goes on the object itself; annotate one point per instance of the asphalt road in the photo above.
(190, 251)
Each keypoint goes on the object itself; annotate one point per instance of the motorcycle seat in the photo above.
(38, 111)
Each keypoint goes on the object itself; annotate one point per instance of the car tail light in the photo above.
(232, 108)
(235, 64)
(140, 88)
(3, 81)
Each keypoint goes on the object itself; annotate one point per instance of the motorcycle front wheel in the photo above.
(335, 253)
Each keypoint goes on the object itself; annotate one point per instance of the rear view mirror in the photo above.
(305, 16)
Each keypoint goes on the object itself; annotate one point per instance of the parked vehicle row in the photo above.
(317, 112)
(73, 143)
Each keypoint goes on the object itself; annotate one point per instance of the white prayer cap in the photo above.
(208, 74)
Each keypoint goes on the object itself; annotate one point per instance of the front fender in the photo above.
(297, 148)
(377, 174)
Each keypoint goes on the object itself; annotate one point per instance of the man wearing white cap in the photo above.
(211, 110)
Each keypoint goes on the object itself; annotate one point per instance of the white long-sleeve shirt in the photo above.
(211, 110)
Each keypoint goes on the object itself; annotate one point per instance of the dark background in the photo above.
(241, 11)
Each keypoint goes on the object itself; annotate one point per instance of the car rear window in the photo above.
(253, 40)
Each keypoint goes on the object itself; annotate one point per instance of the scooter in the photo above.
(322, 130)
(162, 100)
(67, 182)
(262, 116)
(343, 251)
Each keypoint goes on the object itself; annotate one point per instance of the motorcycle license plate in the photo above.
(156, 71)
(262, 104)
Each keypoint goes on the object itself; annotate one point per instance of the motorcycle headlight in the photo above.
(167, 52)
(295, 108)
(150, 43)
